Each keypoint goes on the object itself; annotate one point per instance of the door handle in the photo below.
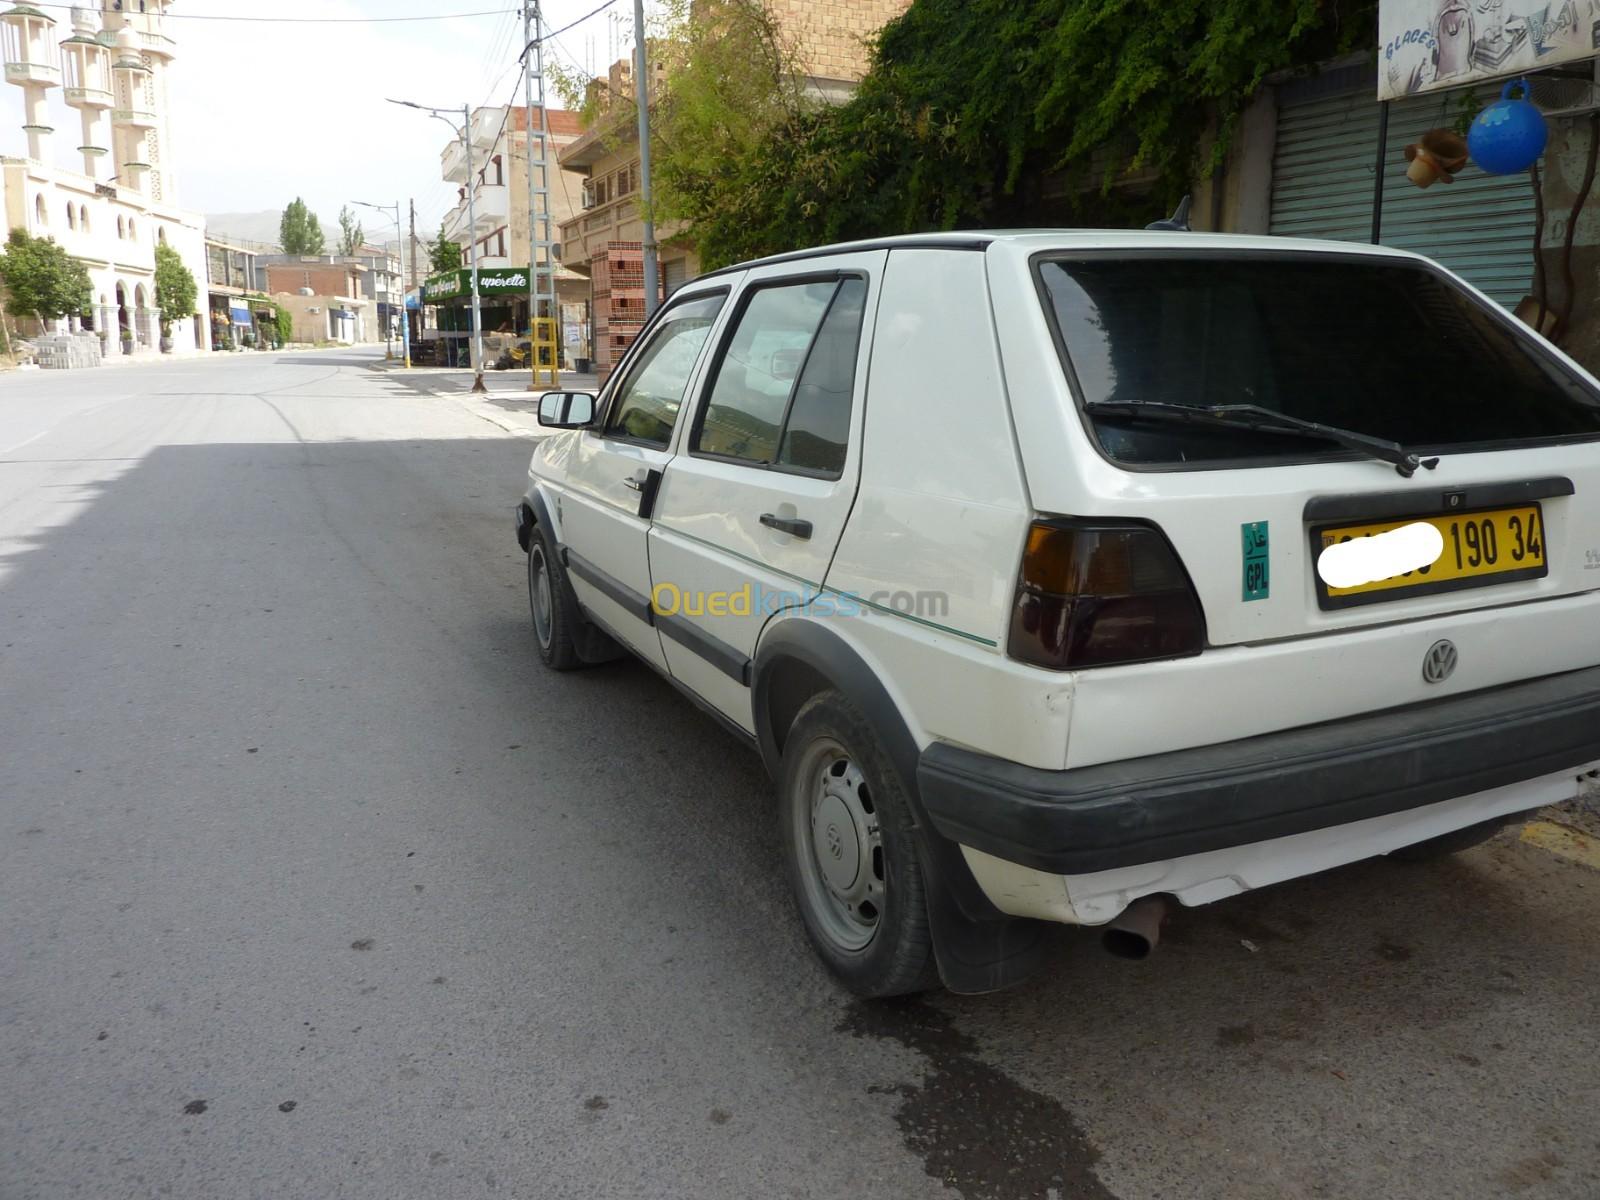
(636, 484)
(793, 527)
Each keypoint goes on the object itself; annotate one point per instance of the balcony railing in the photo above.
(453, 162)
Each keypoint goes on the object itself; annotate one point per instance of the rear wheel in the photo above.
(851, 855)
(1452, 843)
(553, 621)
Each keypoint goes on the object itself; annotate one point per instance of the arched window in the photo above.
(83, 219)
(133, 230)
(40, 211)
(122, 226)
(161, 235)
(72, 217)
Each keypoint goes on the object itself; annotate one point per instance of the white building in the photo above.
(111, 66)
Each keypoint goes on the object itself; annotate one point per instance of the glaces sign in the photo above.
(1427, 45)
(512, 281)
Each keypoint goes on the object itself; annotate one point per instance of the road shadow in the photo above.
(247, 676)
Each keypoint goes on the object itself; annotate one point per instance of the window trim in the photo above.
(1037, 261)
(836, 275)
(623, 375)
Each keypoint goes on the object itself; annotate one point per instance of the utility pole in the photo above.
(472, 233)
(413, 244)
(472, 225)
(641, 87)
(400, 246)
(542, 268)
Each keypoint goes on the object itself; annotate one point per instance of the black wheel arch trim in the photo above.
(979, 948)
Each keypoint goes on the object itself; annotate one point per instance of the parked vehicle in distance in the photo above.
(1010, 554)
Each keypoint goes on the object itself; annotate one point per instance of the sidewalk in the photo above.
(508, 403)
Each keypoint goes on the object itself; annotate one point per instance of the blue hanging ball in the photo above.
(1509, 136)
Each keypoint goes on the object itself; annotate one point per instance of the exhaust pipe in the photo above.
(1137, 930)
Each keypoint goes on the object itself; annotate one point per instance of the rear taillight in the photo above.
(1096, 593)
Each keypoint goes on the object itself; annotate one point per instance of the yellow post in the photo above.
(544, 351)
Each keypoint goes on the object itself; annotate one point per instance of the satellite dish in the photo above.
(1178, 222)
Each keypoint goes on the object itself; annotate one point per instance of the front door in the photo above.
(615, 470)
(751, 509)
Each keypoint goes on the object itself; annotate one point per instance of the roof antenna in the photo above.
(1178, 222)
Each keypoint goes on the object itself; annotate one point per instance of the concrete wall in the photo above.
(831, 36)
(312, 324)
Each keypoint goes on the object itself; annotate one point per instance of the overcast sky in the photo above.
(265, 112)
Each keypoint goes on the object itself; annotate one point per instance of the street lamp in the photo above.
(400, 236)
(472, 225)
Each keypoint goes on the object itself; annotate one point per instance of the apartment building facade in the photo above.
(111, 64)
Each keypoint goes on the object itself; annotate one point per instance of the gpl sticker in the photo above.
(1257, 577)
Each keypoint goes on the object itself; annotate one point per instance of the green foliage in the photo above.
(734, 90)
(43, 279)
(980, 113)
(285, 322)
(299, 232)
(176, 290)
(351, 235)
(444, 253)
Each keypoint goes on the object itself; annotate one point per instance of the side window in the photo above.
(646, 405)
(781, 392)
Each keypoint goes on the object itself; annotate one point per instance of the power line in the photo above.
(555, 33)
(490, 12)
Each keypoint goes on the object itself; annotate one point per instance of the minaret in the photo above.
(143, 55)
(87, 62)
(30, 57)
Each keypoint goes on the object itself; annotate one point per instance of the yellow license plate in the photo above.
(1490, 546)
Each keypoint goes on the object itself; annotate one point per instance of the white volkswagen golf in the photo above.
(1065, 576)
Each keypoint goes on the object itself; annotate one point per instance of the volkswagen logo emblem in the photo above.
(1440, 662)
(835, 842)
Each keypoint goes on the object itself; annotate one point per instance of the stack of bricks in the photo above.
(618, 276)
(830, 37)
(67, 351)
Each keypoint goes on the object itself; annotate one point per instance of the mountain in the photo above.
(261, 227)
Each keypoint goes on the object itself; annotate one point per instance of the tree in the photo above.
(351, 235)
(285, 322)
(299, 231)
(42, 278)
(975, 113)
(446, 254)
(176, 289)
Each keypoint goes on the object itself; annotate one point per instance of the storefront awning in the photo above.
(240, 314)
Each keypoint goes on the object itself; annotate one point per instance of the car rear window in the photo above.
(1395, 350)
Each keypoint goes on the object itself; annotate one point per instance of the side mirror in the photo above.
(566, 410)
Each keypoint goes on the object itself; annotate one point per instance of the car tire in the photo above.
(555, 619)
(850, 852)
(1452, 843)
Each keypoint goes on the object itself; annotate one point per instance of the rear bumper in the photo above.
(1188, 802)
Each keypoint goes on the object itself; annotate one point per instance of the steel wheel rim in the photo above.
(839, 846)
(539, 595)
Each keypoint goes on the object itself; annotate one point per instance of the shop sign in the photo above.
(502, 281)
(1429, 45)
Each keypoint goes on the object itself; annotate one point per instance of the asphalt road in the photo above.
(314, 884)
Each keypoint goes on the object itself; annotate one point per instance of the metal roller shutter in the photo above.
(1480, 226)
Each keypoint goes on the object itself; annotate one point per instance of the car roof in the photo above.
(1034, 240)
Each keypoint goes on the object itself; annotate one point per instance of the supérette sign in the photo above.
(511, 281)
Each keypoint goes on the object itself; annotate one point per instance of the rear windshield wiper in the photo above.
(1254, 416)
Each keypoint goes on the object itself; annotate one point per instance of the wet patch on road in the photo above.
(977, 1130)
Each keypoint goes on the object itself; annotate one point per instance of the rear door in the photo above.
(614, 472)
(752, 508)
